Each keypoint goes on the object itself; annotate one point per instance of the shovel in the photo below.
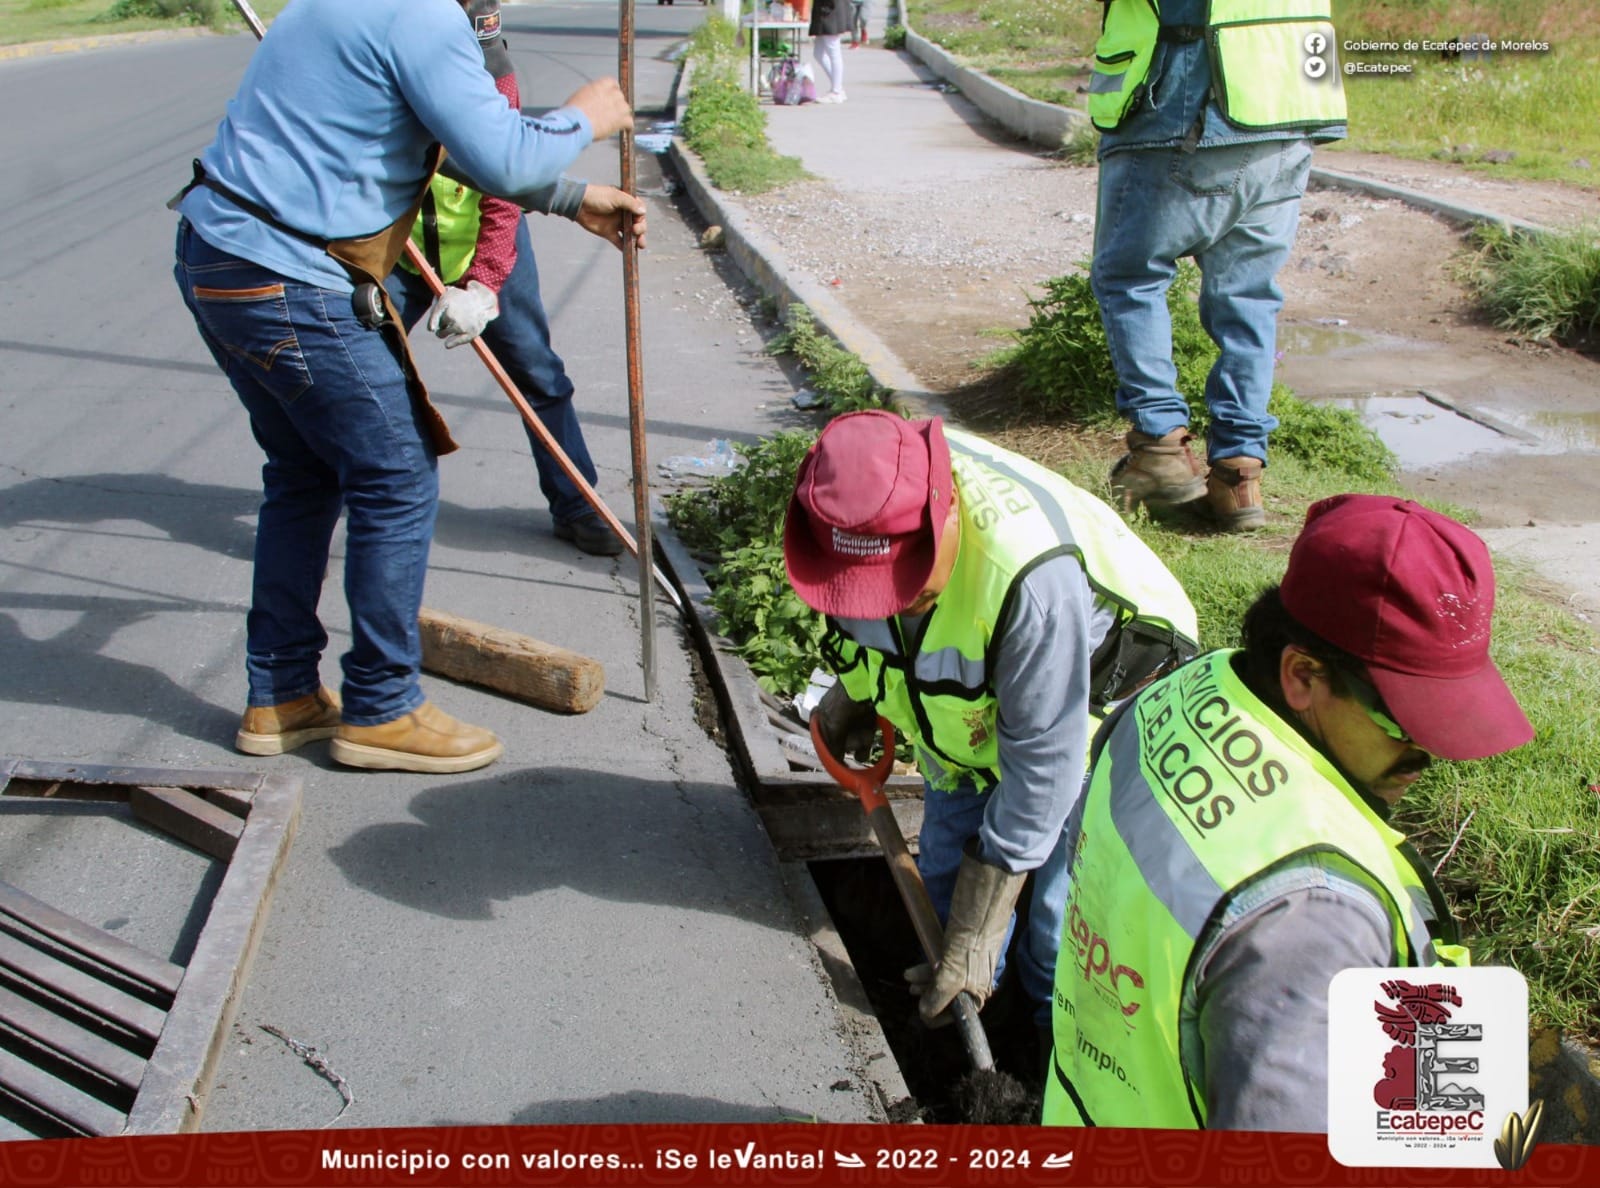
(867, 784)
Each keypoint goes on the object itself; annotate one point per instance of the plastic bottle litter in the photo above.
(718, 460)
(806, 398)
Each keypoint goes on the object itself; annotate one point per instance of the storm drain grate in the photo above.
(99, 1036)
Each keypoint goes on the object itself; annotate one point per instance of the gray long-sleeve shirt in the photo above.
(1254, 1016)
(1040, 679)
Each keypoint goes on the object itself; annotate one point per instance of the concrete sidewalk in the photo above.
(593, 930)
(907, 130)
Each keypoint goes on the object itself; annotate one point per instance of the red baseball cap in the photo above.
(867, 515)
(1409, 592)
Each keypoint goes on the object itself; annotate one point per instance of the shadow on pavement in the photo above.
(604, 835)
(67, 668)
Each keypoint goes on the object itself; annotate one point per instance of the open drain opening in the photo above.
(861, 899)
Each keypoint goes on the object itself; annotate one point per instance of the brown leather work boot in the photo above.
(427, 739)
(274, 729)
(1233, 494)
(1158, 471)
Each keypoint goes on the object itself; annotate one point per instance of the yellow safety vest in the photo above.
(1274, 64)
(936, 687)
(446, 230)
(1197, 787)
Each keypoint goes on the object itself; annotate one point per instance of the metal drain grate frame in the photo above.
(807, 815)
(97, 1036)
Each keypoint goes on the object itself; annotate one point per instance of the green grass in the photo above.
(1545, 287)
(1040, 47)
(1525, 875)
(23, 21)
(834, 372)
(723, 123)
(1539, 107)
(1525, 871)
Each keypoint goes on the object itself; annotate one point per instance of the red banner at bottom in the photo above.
(740, 1154)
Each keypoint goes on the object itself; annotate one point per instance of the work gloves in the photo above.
(460, 313)
(974, 939)
(848, 727)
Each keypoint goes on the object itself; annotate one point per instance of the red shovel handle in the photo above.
(866, 782)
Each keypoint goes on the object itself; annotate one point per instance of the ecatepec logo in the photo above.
(1425, 1066)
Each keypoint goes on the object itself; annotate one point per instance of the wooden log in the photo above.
(519, 666)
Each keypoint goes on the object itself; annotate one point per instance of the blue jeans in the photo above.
(520, 340)
(1234, 208)
(949, 819)
(328, 404)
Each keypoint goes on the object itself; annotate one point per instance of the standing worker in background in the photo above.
(1205, 150)
(985, 606)
(479, 246)
(298, 210)
(830, 21)
(1232, 852)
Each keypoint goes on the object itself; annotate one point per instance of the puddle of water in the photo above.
(659, 138)
(1318, 340)
(1559, 431)
(1424, 434)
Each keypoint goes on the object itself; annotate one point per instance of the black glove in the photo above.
(848, 727)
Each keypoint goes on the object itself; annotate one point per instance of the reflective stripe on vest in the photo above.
(1014, 514)
(1199, 789)
(1128, 33)
(1262, 74)
(447, 230)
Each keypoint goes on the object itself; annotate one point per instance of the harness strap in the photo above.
(244, 204)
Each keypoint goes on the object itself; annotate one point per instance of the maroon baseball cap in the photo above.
(868, 514)
(1409, 592)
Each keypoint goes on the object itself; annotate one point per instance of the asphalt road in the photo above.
(592, 930)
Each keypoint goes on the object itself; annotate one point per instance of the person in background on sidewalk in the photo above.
(1205, 149)
(830, 21)
(986, 607)
(860, 15)
(335, 130)
(1232, 852)
(480, 247)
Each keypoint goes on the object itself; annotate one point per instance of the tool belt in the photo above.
(367, 259)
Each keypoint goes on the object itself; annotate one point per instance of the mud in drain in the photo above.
(860, 896)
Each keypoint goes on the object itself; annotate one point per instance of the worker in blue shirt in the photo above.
(298, 210)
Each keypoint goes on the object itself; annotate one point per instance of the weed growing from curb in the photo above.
(723, 123)
(836, 373)
(1540, 287)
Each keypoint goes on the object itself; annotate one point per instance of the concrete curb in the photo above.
(72, 45)
(762, 261)
(1048, 125)
(1041, 123)
(1329, 179)
(764, 265)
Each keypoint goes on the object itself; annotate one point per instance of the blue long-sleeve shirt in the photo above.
(333, 119)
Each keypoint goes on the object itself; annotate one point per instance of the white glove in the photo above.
(460, 314)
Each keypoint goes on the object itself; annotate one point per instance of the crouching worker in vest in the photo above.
(1233, 852)
(480, 247)
(985, 606)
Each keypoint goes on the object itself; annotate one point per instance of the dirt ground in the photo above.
(1373, 307)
